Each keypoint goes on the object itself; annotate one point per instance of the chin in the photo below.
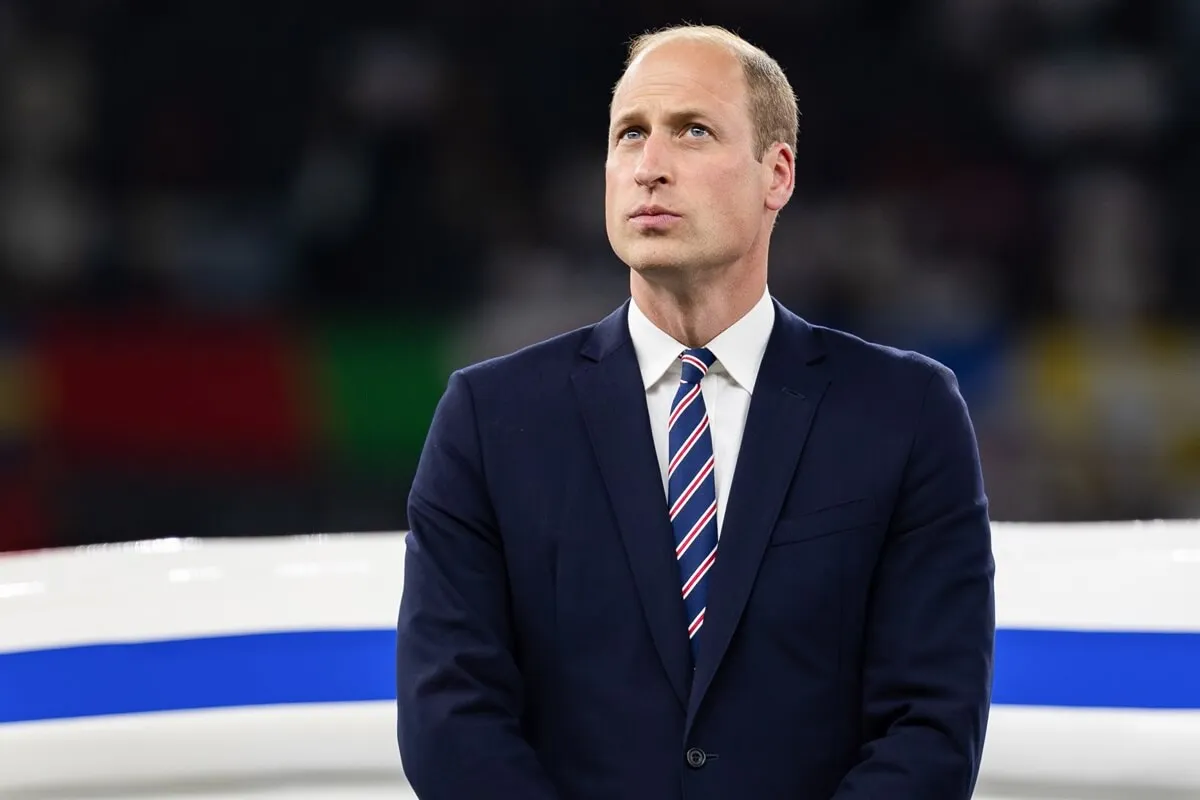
(655, 257)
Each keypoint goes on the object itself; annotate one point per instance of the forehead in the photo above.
(687, 72)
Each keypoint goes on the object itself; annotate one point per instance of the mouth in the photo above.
(653, 218)
(653, 212)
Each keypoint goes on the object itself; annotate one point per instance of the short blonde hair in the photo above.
(772, 101)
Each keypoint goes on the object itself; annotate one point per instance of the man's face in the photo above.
(683, 190)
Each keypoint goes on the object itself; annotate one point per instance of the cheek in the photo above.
(736, 198)
(609, 204)
(612, 182)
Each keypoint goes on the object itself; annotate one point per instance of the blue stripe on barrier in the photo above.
(1100, 669)
(1033, 667)
(217, 672)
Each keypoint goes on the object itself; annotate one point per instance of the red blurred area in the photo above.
(178, 392)
(24, 524)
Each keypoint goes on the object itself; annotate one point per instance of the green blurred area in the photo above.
(377, 384)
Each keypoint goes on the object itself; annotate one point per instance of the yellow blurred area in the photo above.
(1123, 401)
(16, 395)
(1082, 379)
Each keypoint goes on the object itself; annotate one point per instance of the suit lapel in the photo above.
(789, 387)
(613, 402)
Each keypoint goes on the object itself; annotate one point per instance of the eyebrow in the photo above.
(634, 115)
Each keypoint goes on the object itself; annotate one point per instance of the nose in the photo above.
(652, 167)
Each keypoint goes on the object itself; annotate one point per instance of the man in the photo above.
(701, 549)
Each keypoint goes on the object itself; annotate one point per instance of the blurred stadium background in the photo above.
(242, 245)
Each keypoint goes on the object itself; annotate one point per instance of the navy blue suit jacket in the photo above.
(847, 647)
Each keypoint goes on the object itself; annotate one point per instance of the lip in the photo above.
(652, 212)
(653, 218)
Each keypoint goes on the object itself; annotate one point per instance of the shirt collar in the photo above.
(739, 348)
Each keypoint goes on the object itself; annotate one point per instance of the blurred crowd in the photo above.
(243, 244)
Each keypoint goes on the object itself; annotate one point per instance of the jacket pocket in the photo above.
(843, 516)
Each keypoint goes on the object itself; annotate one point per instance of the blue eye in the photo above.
(703, 130)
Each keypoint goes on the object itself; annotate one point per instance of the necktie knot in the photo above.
(696, 362)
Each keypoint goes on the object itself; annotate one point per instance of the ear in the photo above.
(779, 172)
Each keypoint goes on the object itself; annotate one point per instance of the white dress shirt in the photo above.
(726, 388)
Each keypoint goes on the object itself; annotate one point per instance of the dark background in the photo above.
(243, 244)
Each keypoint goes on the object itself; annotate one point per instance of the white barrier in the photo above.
(1098, 667)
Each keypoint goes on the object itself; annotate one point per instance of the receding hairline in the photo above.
(751, 59)
(712, 34)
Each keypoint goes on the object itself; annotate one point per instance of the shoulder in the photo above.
(551, 361)
(525, 380)
(532, 360)
(863, 361)
(875, 383)
(908, 390)
(899, 395)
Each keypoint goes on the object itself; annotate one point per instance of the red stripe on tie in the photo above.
(683, 404)
(695, 362)
(696, 624)
(687, 493)
(699, 573)
(687, 446)
(699, 526)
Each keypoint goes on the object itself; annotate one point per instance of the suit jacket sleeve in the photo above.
(927, 668)
(459, 690)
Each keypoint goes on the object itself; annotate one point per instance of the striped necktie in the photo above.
(692, 489)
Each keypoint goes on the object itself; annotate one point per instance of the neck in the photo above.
(697, 312)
